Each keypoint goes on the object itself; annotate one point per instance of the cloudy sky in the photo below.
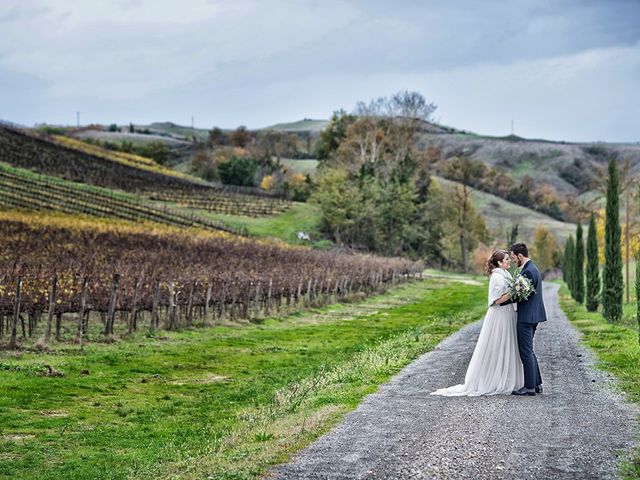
(560, 69)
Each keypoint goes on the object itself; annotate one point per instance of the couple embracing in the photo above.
(503, 360)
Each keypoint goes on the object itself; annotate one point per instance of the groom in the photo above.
(530, 313)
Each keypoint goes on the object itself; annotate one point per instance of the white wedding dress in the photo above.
(495, 367)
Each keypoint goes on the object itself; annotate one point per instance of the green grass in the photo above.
(227, 400)
(305, 167)
(303, 217)
(616, 348)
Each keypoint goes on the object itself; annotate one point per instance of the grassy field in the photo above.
(226, 401)
(301, 217)
(617, 350)
(307, 166)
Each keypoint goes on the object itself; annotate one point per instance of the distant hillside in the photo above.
(305, 125)
(501, 215)
(569, 168)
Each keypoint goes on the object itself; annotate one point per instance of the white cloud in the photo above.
(255, 62)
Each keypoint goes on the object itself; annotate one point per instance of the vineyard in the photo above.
(221, 202)
(81, 162)
(59, 274)
(22, 189)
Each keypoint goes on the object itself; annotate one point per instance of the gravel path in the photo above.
(577, 429)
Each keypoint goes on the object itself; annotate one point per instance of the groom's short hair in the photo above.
(518, 248)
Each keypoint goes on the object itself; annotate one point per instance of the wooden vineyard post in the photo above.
(298, 294)
(308, 301)
(172, 305)
(323, 300)
(58, 325)
(155, 316)
(108, 325)
(190, 303)
(207, 301)
(16, 313)
(83, 302)
(256, 303)
(269, 297)
(133, 323)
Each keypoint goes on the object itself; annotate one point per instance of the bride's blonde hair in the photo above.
(496, 257)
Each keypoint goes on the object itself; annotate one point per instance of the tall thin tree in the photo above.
(612, 282)
(569, 254)
(578, 267)
(593, 268)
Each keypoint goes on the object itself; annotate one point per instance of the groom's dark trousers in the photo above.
(530, 313)
(532, 377)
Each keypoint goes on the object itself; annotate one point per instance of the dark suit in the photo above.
(530, 312)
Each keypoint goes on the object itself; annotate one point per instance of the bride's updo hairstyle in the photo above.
(496, 257)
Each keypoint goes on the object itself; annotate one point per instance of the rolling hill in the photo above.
(568, 167)
(501, 215)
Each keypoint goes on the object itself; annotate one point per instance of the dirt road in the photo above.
(579, 428)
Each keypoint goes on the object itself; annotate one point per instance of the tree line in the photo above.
(590, 287)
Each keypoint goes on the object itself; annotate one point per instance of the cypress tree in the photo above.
(612, 282)
(569, 254)
(593, 268)
(578, 267)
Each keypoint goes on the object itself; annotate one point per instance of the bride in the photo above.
(495, 367)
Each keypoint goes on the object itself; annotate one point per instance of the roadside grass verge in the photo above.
(617, 351)
(221, 402)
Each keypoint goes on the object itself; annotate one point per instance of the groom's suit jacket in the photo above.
(532, 309)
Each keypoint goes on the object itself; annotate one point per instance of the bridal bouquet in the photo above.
(520, 288)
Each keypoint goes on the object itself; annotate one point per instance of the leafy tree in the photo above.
(203, 165)
(217, 137)
(132, 129)
(113, 127)
(333, 134)
(593, 268)
(240, 137)
(158, 151)
(578, 267)
(612, 281)
(238, 171)
(544, 248)
(337, 198)
(274, 144)
(513, 235)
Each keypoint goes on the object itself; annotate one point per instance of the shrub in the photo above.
(238, 171)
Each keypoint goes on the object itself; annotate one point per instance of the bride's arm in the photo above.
(497, 287)
(505, 297)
